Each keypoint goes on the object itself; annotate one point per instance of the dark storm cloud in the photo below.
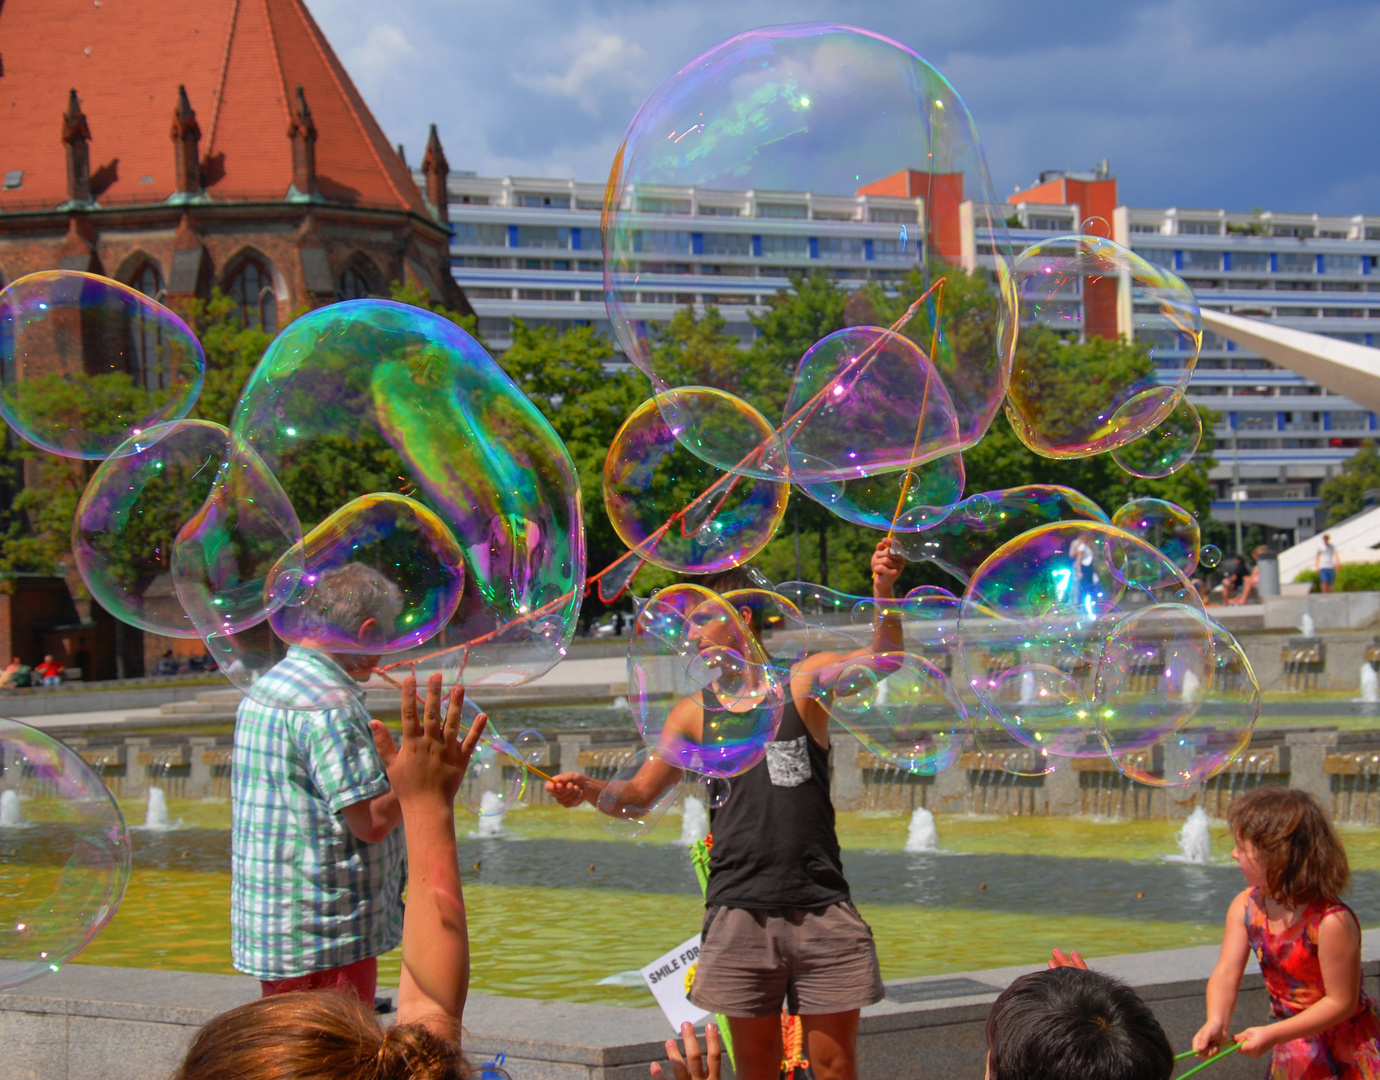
(1229, 103)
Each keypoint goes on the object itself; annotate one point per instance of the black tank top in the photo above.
(774, 840)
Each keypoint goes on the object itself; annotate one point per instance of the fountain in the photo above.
(156, 816)
(491, 816)
(1195, 839)
(1307, 627)
(694, 822)
(620, 704)
(924, 834)
(10, 814)
(1370, 684)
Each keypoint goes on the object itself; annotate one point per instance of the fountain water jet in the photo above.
(924, 834)
(1195, 839)
(694, 822)
(156, 816)
(1370, 683)
(491, 816)
(10, 814)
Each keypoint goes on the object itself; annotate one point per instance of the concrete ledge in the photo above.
(98, 1023)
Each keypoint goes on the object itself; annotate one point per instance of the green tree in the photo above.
(232, 352)
(1344, 494)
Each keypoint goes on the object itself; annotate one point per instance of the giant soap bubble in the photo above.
(86, 362)
(369, 398)
(1165, 525)
(701, 688)
(863, 124)
(677, 510)
(1045, 613)
(1087, 288)
(185, 510)
(64, 854)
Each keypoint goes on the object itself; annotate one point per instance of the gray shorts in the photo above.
(816, 960)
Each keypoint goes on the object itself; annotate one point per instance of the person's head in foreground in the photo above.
(1072, 1024)
(1286, 845)
(317, 1035)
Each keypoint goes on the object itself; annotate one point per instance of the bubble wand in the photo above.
(1233, 1048)
(938, 289)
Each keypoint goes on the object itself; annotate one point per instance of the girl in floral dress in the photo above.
(1307, 941)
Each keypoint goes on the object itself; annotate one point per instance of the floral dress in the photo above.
(1293, 977)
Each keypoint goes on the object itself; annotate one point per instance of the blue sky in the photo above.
(1194, 102)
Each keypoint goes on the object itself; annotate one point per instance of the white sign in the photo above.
(669, 979)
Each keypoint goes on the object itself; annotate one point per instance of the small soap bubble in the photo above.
(1209, 556)
(88, 363)
(1096, 226)
(64, 854)
(979, 506)
(713, 791)
(1165, 525)
(531, 747)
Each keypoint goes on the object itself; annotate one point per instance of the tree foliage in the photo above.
(1344, 494)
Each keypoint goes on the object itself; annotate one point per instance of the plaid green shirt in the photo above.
(305, 895)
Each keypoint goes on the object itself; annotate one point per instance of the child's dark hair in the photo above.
(317, 1035)
(1071, 1024)
(735, 579)
(1304, 860)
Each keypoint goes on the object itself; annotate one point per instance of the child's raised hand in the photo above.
(693, 1066)
(432, 758)
(1070, 959)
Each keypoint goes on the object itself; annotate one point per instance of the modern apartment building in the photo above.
(529, 248)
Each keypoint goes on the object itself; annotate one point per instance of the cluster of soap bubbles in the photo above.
(1073, 634)
(384, 494)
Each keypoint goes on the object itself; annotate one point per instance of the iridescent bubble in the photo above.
(531, 747)
(1038, 615)
(842, 113)
(87, 363)
(382, 573)
(770, 612)
(64, 854)
(1096, 226)
(908, 501)
(1154, 671)
(1165, 525)
(1215, 736)
(901, 708)
(866, 400)
(1080, 288)
(1209, 556)
(494, 782)
(982, 523)
(244, 531)
(713, 791)
(702, 690)
(678, 511)
(626, 813)
(193, 510)
(372, 397)
(1167, 447)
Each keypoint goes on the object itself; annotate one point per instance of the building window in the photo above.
(1157, 256)
(840, 247)
(727, 244)
(1202, 260)
(783, 211)
(542, 236)
(1341, 264)
(352, 285)
(786, 245)
(1250, 262)
(148, 281)
(907, 216)
(472, 234)
(1200, 228)
(662, 242)
(252, 290)
(1297, 262)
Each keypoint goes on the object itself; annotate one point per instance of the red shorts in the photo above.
(360, 978)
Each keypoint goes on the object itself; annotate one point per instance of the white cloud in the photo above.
(374, 62)
(602, 60)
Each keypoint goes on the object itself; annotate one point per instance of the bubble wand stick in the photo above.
(938, 289)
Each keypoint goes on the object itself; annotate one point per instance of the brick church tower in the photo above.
(180, 146)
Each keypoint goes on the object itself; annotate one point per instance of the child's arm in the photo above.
(426, 773)
(1225, 981)
(1339, 954)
